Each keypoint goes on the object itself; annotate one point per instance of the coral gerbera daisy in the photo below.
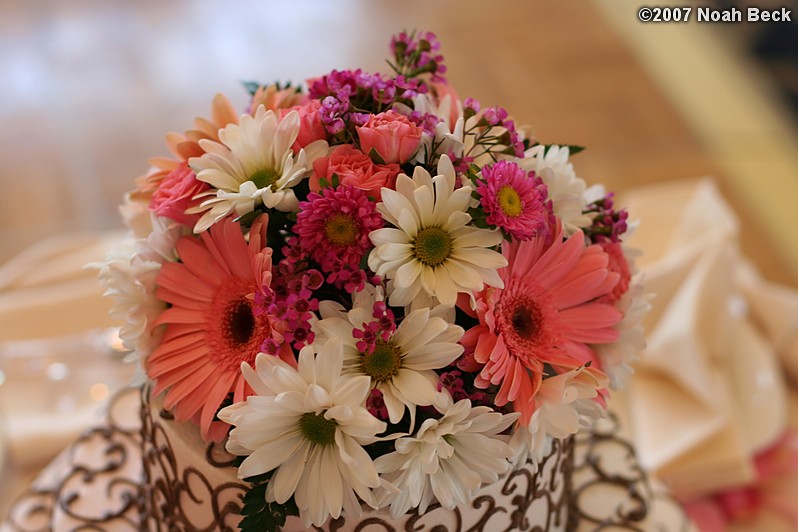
(432, 246)
(333, 228)
(211, 326)
(515, 200)
(253, 163)
(544, 315)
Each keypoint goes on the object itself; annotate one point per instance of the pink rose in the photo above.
(174, 195)
(618, 264)
(391, 135)
(310, 126)
(354, 168)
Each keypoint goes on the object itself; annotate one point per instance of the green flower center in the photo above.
(317, 429)
(383, 363)
(509, 201)
(341, 229)
(432, 246)
(264, 178)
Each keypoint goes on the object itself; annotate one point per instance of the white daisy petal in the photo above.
(286, 429)
(255, 152)
(430, 462)
(432, 228)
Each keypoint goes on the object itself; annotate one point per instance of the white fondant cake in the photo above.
(99, 483)
(192, 485)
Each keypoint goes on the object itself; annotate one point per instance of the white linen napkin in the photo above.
(45, 291)
(52, 317)
(709, 391)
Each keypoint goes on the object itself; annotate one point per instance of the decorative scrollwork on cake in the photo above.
(97, 480)
(128, 476)
(611, 489)
(523, 500)
(183, 499)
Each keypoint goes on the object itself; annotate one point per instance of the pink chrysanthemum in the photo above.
(515, 200)
(211, 327)
(333, 229)
(545, 315)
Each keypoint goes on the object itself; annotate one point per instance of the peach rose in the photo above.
(618, 264)
(392, 135)
(175, 194)
(310, 126)
(355, 168)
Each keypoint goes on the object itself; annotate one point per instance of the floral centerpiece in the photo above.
(372, 286)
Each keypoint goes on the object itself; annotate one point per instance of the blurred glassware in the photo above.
(51, 390)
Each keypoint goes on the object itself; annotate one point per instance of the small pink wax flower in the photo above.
(392, 135)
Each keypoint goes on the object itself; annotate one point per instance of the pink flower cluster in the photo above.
(516, 201)
(333, 229)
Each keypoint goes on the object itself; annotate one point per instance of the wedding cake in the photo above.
(369, 305)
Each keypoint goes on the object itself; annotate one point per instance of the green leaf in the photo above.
(251, 86)
(376, 157)
(260, 515)
(246, 219)
(573, 149)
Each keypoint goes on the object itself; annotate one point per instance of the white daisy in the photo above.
(128, 276)
(616, 357)
(432, 247)
(402, 368)
(448, 137)
(447, 459)
(308, 424)
(253, 163)
(567, 192)
(564, 404)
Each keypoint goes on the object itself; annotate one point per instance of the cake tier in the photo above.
(193, 486)
(99, 483)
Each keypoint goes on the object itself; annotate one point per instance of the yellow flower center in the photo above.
(265, 178)
(340, 229)
(383, 363)
(509, 201)
(317, 429)
(432, 246)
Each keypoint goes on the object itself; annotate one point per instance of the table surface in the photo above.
(96, 85)
(91, 88)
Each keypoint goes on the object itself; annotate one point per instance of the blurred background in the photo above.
(89, 88)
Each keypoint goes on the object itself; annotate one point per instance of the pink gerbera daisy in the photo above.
(515, 200)
(545, 315)
(211, 326)
(333, 228)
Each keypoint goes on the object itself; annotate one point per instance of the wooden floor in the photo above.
(90, 87)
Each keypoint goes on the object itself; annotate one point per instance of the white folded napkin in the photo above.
(52, 315)
(45, 291)
(708, 392)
